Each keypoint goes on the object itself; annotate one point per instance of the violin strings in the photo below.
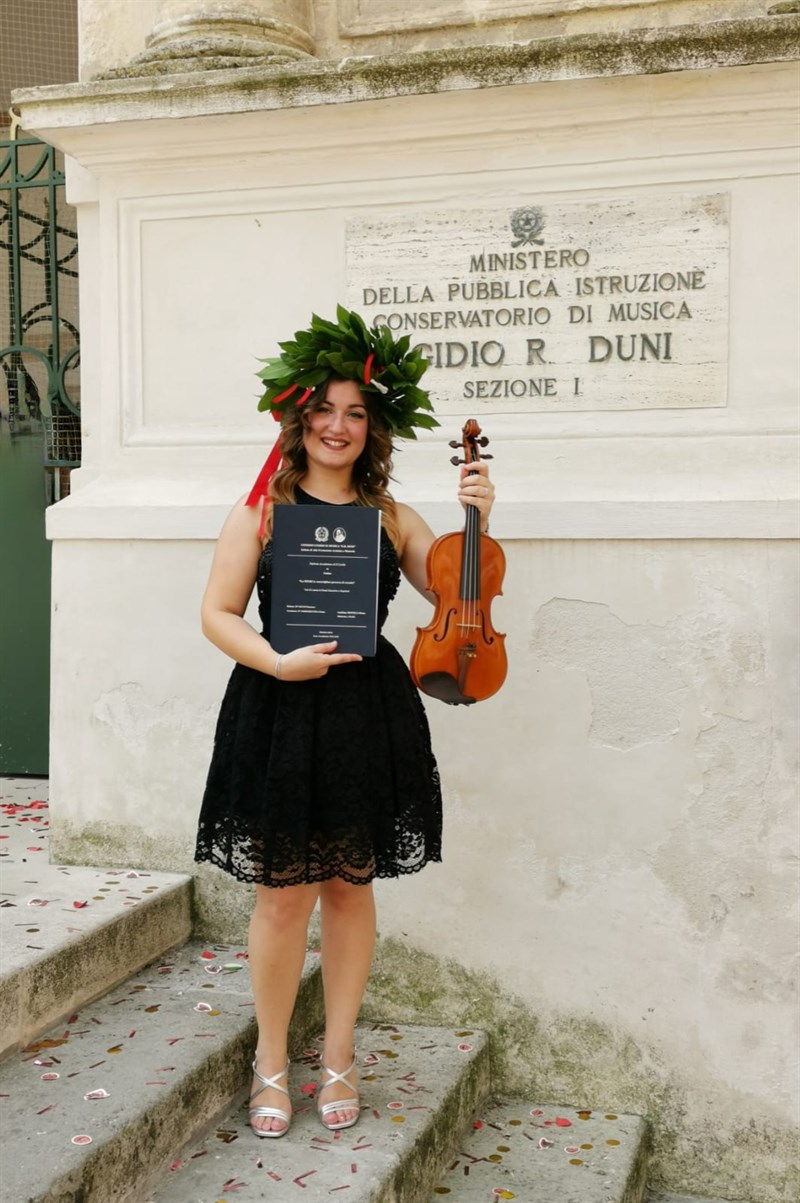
(469, 604)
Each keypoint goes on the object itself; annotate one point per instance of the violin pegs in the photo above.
(484, 442)
(455, 460)
(454, 443)
(487, 457)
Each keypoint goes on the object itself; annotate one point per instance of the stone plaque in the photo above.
(602, 305)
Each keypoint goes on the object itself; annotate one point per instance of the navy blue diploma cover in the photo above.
(325, 577)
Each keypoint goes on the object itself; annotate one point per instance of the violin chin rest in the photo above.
(444, 687)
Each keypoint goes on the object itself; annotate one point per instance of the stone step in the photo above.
(69, 933)
(420, 1088)
(529, 1151)
(163, 1054)
(658, 1197)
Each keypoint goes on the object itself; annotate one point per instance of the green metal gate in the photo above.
(39, 430)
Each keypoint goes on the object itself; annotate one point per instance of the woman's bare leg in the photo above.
(277, 947)
(347, 915)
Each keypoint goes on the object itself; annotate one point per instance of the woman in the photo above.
(322, 776)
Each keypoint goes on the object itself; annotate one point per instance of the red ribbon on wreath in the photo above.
(260, 489)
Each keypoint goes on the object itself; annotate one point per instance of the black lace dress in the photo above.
(327, 778)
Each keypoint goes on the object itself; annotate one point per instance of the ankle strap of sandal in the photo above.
(269, 1083)
(342, 1077)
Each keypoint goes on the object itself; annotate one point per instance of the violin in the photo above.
(459, 658)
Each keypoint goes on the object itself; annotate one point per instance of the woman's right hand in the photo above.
(307, 663)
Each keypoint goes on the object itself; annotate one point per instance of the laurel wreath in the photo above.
(386, 369)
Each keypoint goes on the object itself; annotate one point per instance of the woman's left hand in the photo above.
(476, 489)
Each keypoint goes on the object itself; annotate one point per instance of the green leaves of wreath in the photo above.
(386, 369)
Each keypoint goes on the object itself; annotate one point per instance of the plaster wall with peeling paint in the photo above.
(618, 898)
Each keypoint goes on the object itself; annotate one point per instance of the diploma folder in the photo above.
(325, 577)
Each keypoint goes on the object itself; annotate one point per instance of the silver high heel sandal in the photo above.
(270, 1112)
(346, 1104)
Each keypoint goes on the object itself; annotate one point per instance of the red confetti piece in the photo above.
(96, 1094)
(309, 1088)
(563, 1123)
(208, 956)
(50, 1077)
(571, 1149)
(478, 1125)
(155, 1083)
(537, 1112)
(34, 849)
(82, 1140)
(465, 1048)
(233, 1184)
(80, 905)
(544, 1143)
(298, 1181)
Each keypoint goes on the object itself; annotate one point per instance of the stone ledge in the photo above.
(129, 95)
(619, 518)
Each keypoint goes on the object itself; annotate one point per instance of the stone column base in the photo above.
(199, 39)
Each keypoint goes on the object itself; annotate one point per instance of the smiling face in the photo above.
(338, 427)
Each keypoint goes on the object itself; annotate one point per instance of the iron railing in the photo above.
(40, 350)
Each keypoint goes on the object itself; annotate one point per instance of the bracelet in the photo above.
(277, 670)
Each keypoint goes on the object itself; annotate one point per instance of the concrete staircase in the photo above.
(123, 1084)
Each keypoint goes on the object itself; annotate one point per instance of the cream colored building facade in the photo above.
(618, 900)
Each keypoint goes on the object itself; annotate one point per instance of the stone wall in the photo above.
(621, 836)
(112, 35)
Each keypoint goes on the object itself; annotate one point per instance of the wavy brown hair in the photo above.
(371, 471)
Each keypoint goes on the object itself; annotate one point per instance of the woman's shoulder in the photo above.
(409, 523)
(243, 520)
